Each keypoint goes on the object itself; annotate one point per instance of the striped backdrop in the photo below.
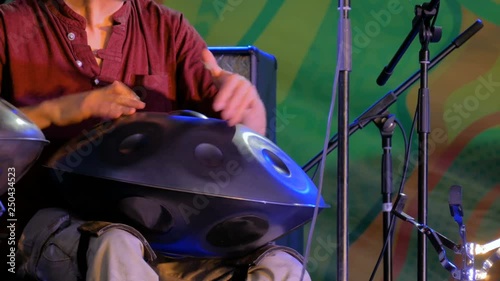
(465, 114)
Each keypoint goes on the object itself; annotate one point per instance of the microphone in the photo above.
(455, 202)
(384, 76)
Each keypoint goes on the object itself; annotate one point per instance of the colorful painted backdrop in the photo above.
(465, 114)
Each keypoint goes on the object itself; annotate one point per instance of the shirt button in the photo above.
(79, 63)
(71, 36)
(96, 81)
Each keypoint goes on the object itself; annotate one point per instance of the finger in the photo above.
(131, 102)
(120, 111)
(210, 63)
(128, 110)
(238, 103)
(113, 112)
(120, 88)
(230, 83)
(247, 104)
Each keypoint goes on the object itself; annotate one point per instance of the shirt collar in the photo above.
(62, 11)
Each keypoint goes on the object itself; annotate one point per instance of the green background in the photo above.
(465, 114)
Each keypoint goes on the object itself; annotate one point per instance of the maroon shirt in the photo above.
(44, 54)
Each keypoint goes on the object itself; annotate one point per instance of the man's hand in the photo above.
(237, 99)
(109, 102)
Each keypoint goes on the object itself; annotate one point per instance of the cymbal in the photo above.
(193, 186)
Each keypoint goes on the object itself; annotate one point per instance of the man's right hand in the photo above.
(109, 102)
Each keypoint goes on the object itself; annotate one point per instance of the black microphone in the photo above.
(384, 76)
(455, 202)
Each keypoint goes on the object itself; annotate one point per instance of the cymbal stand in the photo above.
(456, 211)
(468, 250)
(477, 249)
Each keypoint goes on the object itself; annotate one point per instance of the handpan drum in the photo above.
(193, 186)
(21, 143)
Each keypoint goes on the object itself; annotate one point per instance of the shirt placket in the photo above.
(84, 58)
(112, 55)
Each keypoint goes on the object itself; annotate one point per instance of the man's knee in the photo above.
(115, 240)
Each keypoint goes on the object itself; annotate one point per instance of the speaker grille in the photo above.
(260, 68)
(236, 64)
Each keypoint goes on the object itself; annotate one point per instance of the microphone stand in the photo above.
(386, 125)
(378, 109)
(345, 66)
(427, 35)
(422, 25)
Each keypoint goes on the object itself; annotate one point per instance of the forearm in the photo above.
(38, 114)
(110, 102)
(59, 111)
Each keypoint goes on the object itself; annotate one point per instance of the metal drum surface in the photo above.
(21, 143)
(192, 186)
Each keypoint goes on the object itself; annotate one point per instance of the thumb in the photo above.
(210, 63)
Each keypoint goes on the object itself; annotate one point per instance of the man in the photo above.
(68, 64)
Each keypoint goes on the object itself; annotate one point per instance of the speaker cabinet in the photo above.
(260, 68)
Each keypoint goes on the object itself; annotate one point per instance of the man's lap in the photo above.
(54, 256)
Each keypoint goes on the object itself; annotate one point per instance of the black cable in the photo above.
(408, 150)
(316, 166)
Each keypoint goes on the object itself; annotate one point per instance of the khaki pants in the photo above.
(49, 244)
